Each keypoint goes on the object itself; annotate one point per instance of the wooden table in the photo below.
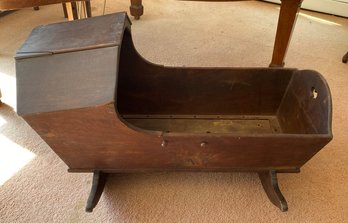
(286, 22)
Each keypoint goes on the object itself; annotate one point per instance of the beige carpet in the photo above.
(34, 183)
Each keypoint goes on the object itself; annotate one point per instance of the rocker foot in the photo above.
(99, 180)
(270, 185)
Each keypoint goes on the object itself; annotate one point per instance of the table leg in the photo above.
(71, 8)
(286, 22)
(136, 9)
(88, 9)
(65, 10)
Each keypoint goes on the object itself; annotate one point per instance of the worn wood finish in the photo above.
(158, 118)
(101, 145)
(98, 183)
(286, 23)
(270, 185)
(206, 124)
(163, 90)
(301, 109)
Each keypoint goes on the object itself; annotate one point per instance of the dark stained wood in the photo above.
(95, 138)
(201, 91)
(287, 19)
(206, 123)
(99, 180)
(306, 106)
(295, 107)
(270, 185)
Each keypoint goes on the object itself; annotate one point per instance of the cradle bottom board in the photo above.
(206, 123)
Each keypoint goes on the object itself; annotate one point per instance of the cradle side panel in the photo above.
(94, 138)
(264, 152)
(202, 91)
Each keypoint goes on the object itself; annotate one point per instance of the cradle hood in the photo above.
(84, 34)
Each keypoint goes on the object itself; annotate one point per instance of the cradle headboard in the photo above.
(69, 65)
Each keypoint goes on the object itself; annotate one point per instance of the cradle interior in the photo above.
(209, 100)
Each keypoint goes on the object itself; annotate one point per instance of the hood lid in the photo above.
(74, 35)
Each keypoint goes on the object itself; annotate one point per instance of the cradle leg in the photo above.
(270, 185)
(99, 180)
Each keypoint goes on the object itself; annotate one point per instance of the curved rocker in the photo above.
(99, 180)
(270, 185)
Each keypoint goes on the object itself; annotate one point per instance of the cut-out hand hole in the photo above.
(314, 93)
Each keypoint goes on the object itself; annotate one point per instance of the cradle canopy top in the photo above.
(96, 32)
(70, 65)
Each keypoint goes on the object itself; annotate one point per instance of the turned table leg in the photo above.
(71, 10)
(99, 180)
(88, 9)
(270, 185)
(286, 22)
(136, 9)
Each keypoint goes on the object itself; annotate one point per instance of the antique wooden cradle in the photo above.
(104, 109)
